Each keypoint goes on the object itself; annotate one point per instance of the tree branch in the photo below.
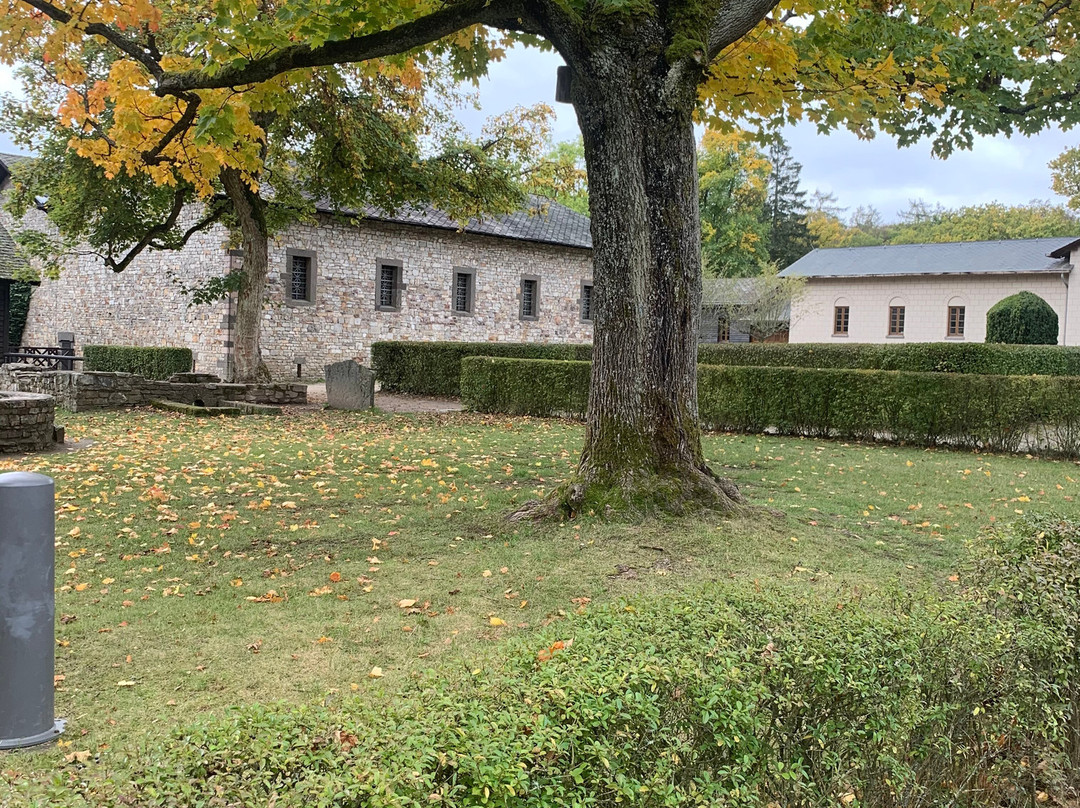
(405, 37)
(128, 46)
(734, 20)
(162, 227)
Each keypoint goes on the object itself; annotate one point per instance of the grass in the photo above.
(208, 562)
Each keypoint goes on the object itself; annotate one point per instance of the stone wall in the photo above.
(79, 392)
(26, 422)
(145, 304)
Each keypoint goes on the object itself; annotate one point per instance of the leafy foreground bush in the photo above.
(721, 697)
(152, 363)
(1022, 319)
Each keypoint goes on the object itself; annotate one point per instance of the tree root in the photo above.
(636, 496)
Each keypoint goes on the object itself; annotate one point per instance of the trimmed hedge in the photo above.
(925, 357)
(153, 363)
(434, 368)
(990, 413)
(1022, 319)
(540, 387)
(719, 696)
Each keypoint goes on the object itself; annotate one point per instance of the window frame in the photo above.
(901, 319)
(398, 294)
(846, 321)
(961, 322)
(592, 301)
(723, 329)
(312, 277)
(536, 298)
(470, 273)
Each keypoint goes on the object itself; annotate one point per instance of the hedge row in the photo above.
(990, 413)
(434, 368)
(720, 696)
(153, 363)
(925, 357)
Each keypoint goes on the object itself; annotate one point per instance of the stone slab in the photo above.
(349, 386)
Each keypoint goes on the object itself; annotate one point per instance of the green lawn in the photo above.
(203, 563)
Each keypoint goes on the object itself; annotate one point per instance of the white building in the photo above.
(929, 292)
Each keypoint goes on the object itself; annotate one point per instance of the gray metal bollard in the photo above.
(27, 609)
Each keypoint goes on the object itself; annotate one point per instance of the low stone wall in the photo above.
(26, 422)
(79, 392)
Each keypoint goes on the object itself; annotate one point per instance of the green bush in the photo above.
(925, 357)
(153, 363)
(989, 413)
(542, 387)
(1022, 319)
(20, 307)
(721, 696)
(434, 368)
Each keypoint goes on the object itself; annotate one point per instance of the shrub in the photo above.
(542, 387)
(990, 413)
(926, 357)
(20, 307)
(153, 363)
(434, 368)
(1022, 319)
(717, 696)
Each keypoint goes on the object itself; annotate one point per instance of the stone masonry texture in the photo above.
(146, 305)
(26, 421)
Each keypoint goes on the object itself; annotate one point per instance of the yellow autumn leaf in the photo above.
(376, 673)
(496, 621)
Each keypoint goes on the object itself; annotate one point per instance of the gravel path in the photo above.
(393, 402)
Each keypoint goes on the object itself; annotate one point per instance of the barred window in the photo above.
(464, 291)
(586, 302)
(301, 281)
(388, 286)
(530, 293)
(956, 321)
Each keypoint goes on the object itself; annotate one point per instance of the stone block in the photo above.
(349, 386)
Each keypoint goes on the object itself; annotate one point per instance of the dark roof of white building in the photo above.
(540, 220)
(955, 258)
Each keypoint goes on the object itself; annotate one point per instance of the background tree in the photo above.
(733, 181)
(573, 192)
(762, 307)
(639, 73)
(340, 135)
(990, 222)
(828, 228)
(785, 208)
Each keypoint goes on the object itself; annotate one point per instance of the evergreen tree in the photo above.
(785, 210)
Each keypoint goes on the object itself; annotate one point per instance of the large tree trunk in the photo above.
(643, 442)
(247, 364)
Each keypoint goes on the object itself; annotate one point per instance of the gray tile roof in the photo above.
(12, 160)
(11, 262)
(541, 220)
(970, 257)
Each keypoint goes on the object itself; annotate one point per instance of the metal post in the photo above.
(27, 609)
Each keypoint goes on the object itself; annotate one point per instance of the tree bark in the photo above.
(643, 441)
(250, 210)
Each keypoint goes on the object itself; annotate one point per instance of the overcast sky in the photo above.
(1012, 171)
(857, 172)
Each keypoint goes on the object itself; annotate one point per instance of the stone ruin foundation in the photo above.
(26, 422)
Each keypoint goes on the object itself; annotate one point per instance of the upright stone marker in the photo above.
(27, 608)
(349, 386)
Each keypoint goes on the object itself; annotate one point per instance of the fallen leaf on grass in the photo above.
(376, 673)
(126, 683)
(406, 604)
(495, 621)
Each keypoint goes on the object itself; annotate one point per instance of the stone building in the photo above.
(929, 292)
(339, 284)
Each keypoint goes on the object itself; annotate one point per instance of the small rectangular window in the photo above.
(463, 291)
(388, 286)
(530, 298)
(841, 318)
(723, 330)
(299, 277)
(896, 321)
(586, 302)
(956, 321)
